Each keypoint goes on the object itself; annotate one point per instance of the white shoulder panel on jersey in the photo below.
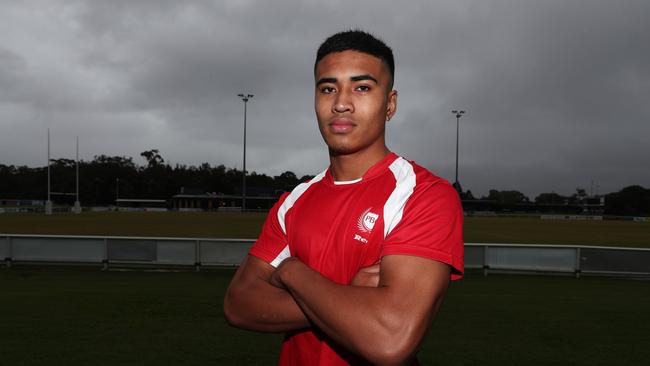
(293, 197)
(284, 254)
(404, 186)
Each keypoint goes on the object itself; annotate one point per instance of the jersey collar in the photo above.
(371, 173)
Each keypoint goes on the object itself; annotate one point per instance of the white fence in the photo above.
(112, 251)
(115, 251)
(572, 259)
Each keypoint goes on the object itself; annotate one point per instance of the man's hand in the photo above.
(275, 278)
(367, 276)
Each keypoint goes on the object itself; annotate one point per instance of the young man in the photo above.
(353, 265)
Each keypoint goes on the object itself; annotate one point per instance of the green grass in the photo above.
(540, 320)
(85, 317)
(162, 224)
(89, 317)
(538, 231)
(238, 225)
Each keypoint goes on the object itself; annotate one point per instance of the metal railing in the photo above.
(569, 259)
(122, 251)
(154, 252)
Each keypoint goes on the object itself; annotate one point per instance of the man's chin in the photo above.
(339, 150)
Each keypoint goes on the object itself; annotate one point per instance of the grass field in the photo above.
(238, 225)
(77, 316)
(89, 317)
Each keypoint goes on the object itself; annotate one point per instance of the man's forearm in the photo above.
(252, 303)
(264, 309)
(369, 321)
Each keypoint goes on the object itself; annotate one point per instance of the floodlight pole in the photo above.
(245, 98)
(48, 203)
(117, 194)
(77, 205)
(458, 114)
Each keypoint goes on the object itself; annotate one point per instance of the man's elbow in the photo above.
(395, 348)
(230, 309)
(391, 354)
(386, 357)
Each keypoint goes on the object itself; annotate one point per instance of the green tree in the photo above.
(507, 197)
(550, 199)
(152, 157)
(629, 201)
(286, 181)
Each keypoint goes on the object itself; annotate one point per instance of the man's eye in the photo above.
(327, 90)
(363, 88)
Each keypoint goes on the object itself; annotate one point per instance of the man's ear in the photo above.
(391, 106)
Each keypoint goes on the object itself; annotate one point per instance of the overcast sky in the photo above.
(557, 93)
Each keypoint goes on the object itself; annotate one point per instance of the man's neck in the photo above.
(354, 166)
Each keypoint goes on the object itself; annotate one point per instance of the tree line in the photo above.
(104, 178)
(629, 201)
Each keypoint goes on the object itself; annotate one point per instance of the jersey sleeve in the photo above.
(272, 244)
(431, 227)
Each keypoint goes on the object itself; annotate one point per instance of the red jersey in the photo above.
(336, 228)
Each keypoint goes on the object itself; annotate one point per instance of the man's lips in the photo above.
(340, 125)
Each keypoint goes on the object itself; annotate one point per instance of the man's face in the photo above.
(353, 101)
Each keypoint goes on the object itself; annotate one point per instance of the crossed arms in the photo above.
(382, 316)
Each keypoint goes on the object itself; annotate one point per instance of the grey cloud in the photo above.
(555, 91)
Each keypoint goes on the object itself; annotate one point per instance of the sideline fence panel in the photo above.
(224, 252)
(57, 249)
(612, 260)
(532, 258)
(176, 251)
(123, 249)
(474, 256)
(5, 249)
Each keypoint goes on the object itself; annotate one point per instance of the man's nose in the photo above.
(343, 103)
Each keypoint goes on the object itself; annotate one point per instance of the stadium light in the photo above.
(458, 114)
(245, 98)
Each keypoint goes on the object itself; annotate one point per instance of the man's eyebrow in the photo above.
(326, 80)
(363, 77)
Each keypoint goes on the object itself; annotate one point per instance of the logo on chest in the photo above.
(365, 224)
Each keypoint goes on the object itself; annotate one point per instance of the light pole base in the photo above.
(48, 207)
(77, 207)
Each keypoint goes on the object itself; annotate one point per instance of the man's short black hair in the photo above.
(357, 40)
